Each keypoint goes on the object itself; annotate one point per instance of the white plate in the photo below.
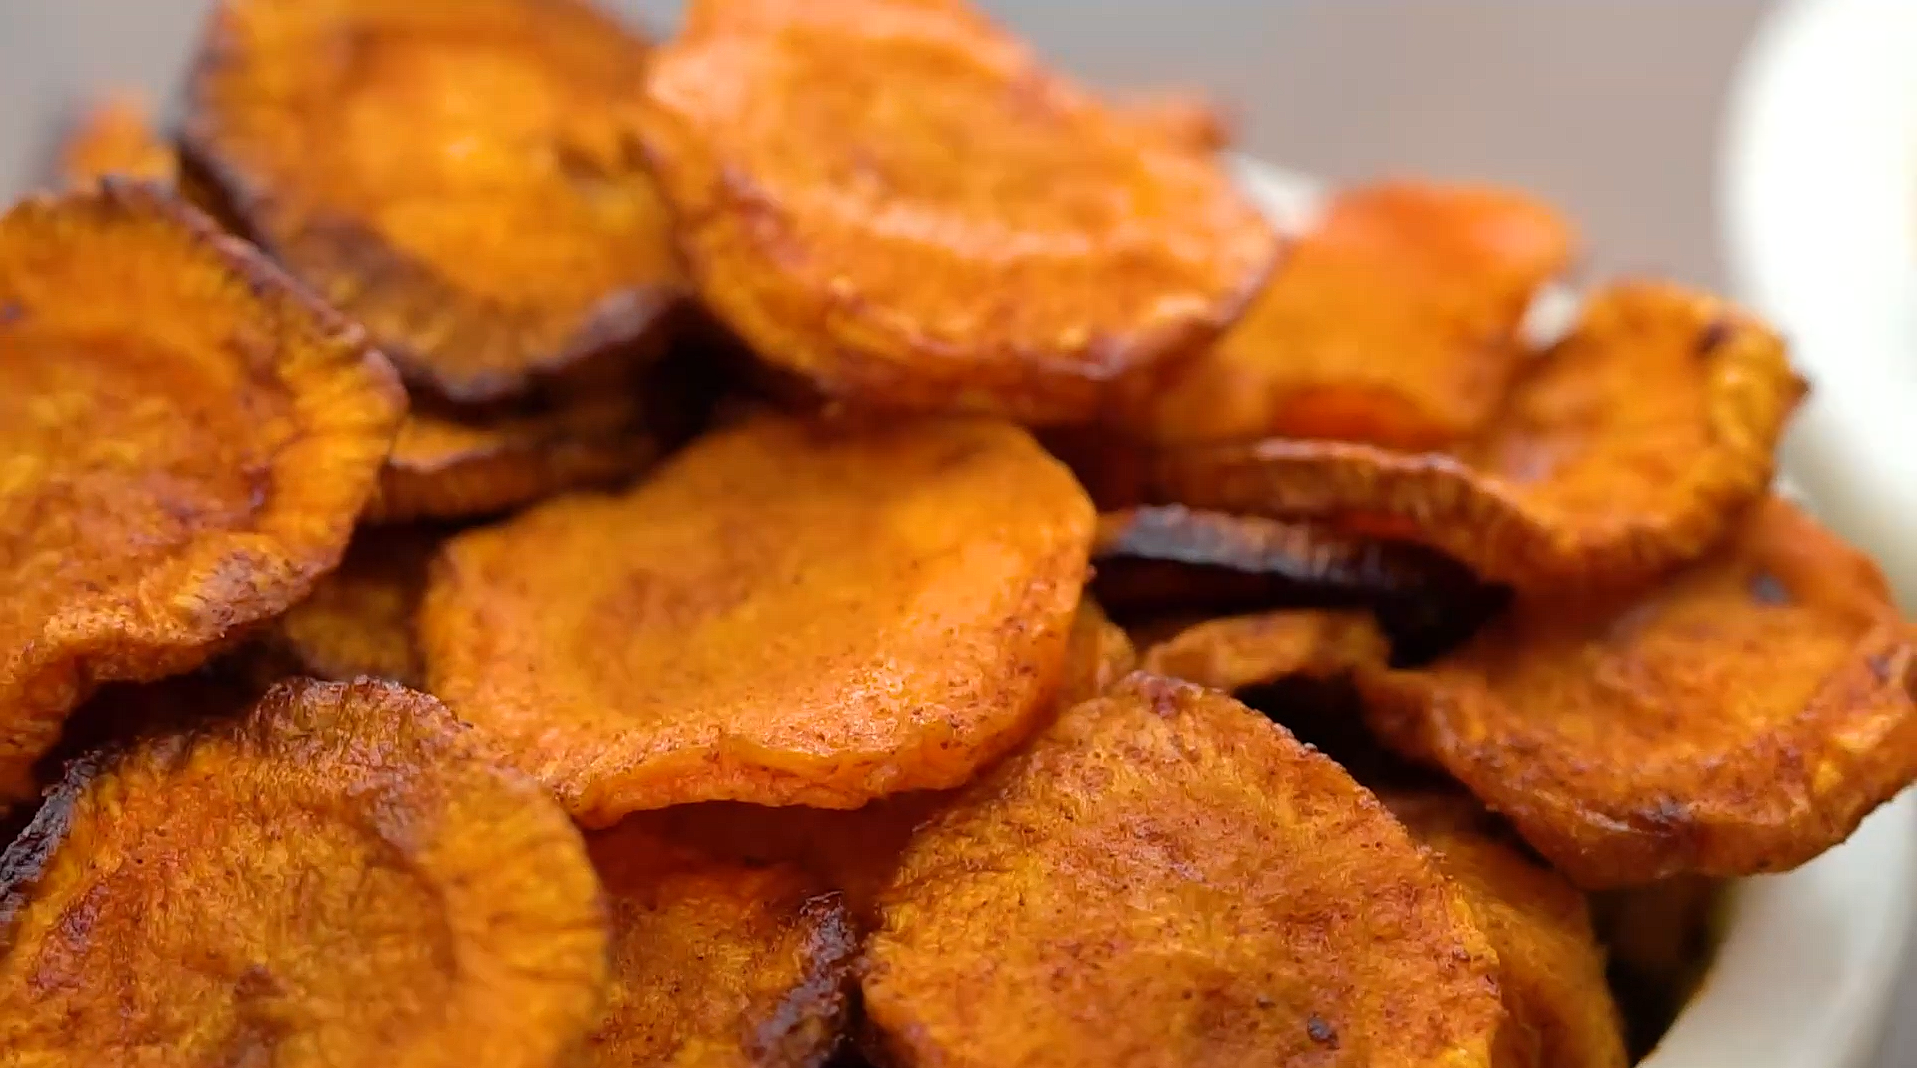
(1809, 958)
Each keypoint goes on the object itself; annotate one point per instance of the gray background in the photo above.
(1608, 106)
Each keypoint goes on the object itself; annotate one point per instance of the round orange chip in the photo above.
(455, 174)
(715, 964)
(359, 619)
(1163, 877)
(1626, 450)
(1238, 652)
(900, 202)
(185, 442)
(787, 612)
(115, 136)
(330, 879)
(1743, 718)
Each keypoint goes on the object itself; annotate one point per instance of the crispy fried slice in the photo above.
(332, 879)
(1628, 449)
(1184, 117)
(1394, 322)
(1559, 1012)
(115, 136)
(359, 619)
(717, 965)
(900, 202)
(455, 175)
(1238, 652)
(185, 441)
(1163, 877)
(1742, 718)
(1098, 654)
(787, 612)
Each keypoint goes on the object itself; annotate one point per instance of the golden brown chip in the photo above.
(1394, 321)
(1629, 448)
(1098, 654)
(1559, 1012)
(456, 175)
(787, 612)
(359, 619)
(1184, 117)
(185, 441)
(1742, 718)
(115, 136)
(1238, 652)
(331, 879)
(900, 202)
(716, 964)
(1163, 877)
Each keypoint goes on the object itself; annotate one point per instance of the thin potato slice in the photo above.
(1097, 655)
(1163, 877)
(359, 619)
(1394, 321)
(717, 965)
(1550, 966)
(788, 612)
(1628, 449)
(115, 137)
(455, 175)
(331, 879)
(185, 442)
(898, 201)
(1238, 652)
(1742, 718)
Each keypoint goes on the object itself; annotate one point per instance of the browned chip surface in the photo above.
(1236, 652)
(185, 442)
(1627, 449)
(1163, 877)
(717, 964)
(331, 879)
(455, 174)
(899, 201)
(787, 612)
(1098, 654)
(1742, 718)
(115, 137)
(359, 619)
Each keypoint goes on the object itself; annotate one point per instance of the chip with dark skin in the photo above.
(333, 878)
(187, 438)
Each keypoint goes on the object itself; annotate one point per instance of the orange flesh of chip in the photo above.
(1186, 118)
(457, 176)
(714, 964)
(185, 442)
(1097, 654)
(331, 879)
(901, 203)
(1238, 652)
(787, 612)
(1742, 718)
(359, 619)
(1163, 877)
(1628, 449)
(115, 136)
(1394, 321)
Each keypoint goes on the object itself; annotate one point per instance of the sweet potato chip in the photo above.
(115, 136)
(185, 442)
(1184, 117)
(1237, 652)
(1163, 877)
(900, 202)
(1629, 448)
(717, 964)
(1660, 940)
(787, 612)
(359, 619)
(331, 879)
(1742, 718)
(1559, 1012)
(456, 175)
(1098, 654)
(1394, 322)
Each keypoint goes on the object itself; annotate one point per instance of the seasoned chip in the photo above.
(115, 136)
(1629, 448)
(1559, 1012)
(717, 964)
(900, 202)
(331, 879)
(185, 441)
(1237, 652)
(359, 619)
(1742, 718)
(1394, 321)
(456, 175)
(787, 612)
(1098, 654)
(1163, 877)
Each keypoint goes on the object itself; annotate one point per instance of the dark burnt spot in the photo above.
(805, 1025)
(1713, 336)
(1767, 589)
(11, 312)
(1321, 1031)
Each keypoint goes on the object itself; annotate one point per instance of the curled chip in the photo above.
(1239, 652)
(456, 175)
(1559, 1012)
(717, 964)
(1098, 654)
(185, 442)
(1163, 877)
(359, 619)
(115, 137)
(898, 201)
(1742, 718)
(1395, 321)
(1629, 448)
(332, 878)
(787, 612)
